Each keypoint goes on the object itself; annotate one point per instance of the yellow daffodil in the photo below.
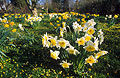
(59, 18)
(64, 64)
(58, 25)
(90, 60)
(14, 30)
(6, 25)
(115, 16)
(12, 23)
(54, 54)
(4, 20)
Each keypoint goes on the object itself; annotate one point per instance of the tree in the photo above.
(26, 6)
(21, 6)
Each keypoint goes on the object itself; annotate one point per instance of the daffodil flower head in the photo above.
(75, 24)
(100, 35)
(90, 60)
(80, 41)
(64, 64)
(54, 54)
(87, 37)
(100, 32)
(45, 41)
(53, 41)
(90, 46)
(91, 23)
(96, 43)
(63, 43)
(91, 30)
(101, 53)
(20, 26)
(71, 50)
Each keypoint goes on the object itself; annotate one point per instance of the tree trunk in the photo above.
(21, 6)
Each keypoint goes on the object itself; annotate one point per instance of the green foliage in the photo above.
(28, 58)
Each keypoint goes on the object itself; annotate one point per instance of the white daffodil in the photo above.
(20, 26)
(100, 35)
(54, 54)
(96, 43)
(80, 41)
(90, 60)
(85, 28)
(87, 37)
(45, 41)
(71, 50)
(62, 43)
(101, 53)
(91, 23)
(53, 41)
(110, 16)
(91, 30)
(104, 52)
(79, 28)
(64, 64)
(75, 24)
(100, 32)
(90, 46)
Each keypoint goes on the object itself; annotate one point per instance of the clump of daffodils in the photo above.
(86, 45)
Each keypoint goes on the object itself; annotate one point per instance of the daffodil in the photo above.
(45, 41)
(104, 52)
(91, 23)
(110, 16)
(87, 37)
(91, 30)
(101, 53)
(96, 43)
(75, 24)
(85, 28)
(71, 50)
(98, 55)
(90, 46)
(20, 26)
(90, 60)
(61, 33)
(115, 16)
(64, 64)
(100, 35)
(80, 41)
(53, 41)
(14, 30)
(62, 43)
(54, 54)
(6, 25)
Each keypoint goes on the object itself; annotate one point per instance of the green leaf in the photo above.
(3, 53)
